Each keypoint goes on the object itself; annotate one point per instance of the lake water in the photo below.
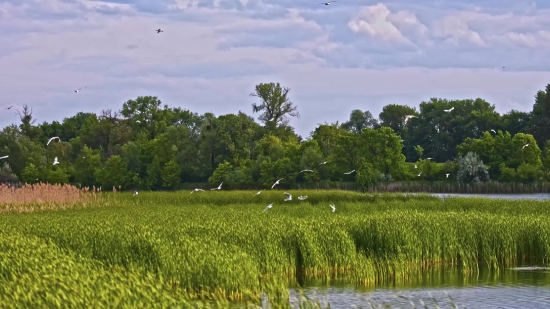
(522, 287)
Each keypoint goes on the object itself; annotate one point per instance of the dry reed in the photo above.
(42, 196)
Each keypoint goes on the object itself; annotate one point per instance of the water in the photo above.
(529, 196)
(523, 287)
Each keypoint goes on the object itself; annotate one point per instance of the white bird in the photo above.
(415, 166)
(306, 171)
(449, 110)
(197, 190)
(288, 197)
(51, 139)
(276, 183)
(333, 208)
(419, 174)
(258, 193)
(525, 146)
(429, 158)
(407, 118)
(328, 3)
(159, 30)
(4, 157)
(494, 131)
(77, 90)
(268, 207)
(55, 161)
(323, 163)
(447, 175)
(302, 198)
(135, 193)
(219, 187)
(349, 172)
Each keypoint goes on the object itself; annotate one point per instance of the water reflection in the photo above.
(523, 287)
(530, 196)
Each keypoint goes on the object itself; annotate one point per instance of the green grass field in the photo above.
(165, 250)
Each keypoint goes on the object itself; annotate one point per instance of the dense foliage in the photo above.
(153, 146)
(157, 249)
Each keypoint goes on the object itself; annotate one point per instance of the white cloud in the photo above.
(213, 52)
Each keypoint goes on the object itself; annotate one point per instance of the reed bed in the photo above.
(221, 245)
(43, 196)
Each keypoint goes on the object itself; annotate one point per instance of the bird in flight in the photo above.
(494, 131)
(55, 161)
(323, 163)
(288, 197)
(159, 30)
(219, 187)
(9, 107)
(525, 146)
(4, 157)
(333, 207)
(268, 207)
(51, 139)
(449, 110)
(258, 193)
(276, 183)
(429, 158)
(135, 193)
(415, 166)
(306, 171)
(77, 90)
(349, 172)
(407, 118)
(419, 174)
(302, 198)
(197, 190)
(447, 175)
(328, 3)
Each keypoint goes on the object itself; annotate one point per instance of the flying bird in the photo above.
(333, 207)
(219, 187)
(258, 193)
(447, 175)
(525, 146)
(159, 30)
(55, 161)
(197, 190)
(449, 110)
(349, 172)
(323, 163)
(4, 157)
(419, 174)
(306, 171)
(77, 90)
(415, 166)
(268, 207)
(407, 118)
(494, 131)
(288, 197)
(51, 139)
(302, 198)
(9, 107)
(429, 158)
(135, 193)
(276, 183)
(328, 3)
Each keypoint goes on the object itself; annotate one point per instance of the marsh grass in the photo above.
(218, 246)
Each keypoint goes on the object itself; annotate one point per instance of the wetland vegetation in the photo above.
(162, 249)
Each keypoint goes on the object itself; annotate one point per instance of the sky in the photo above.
(352, 54)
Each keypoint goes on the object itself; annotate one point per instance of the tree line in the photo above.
(148, 145)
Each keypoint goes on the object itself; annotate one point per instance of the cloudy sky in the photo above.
(353, 54)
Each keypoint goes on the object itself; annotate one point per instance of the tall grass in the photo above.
(42, 196)
(221, 245)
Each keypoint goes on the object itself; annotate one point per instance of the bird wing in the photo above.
(4, 157)
(287, 194)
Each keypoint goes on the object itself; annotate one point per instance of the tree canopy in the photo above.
(148, 144)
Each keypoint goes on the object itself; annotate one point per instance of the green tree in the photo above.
(275, 106)
(359, 120)
(171, 175)
(393, 116)
(113, 174)
(540, 120)
(471, 169)
(30, 174)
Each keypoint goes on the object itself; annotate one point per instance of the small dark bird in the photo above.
(328, 3)
(159, 30)
(9, 107)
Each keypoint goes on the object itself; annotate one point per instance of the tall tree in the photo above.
(393, 116)
(540, 121)
(359, 120)
(275, 106)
